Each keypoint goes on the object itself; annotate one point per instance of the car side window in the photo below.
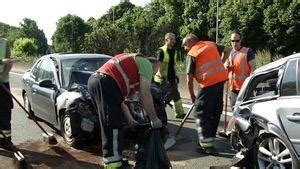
(289, 87)
(264, 86)
(35, 71)
(46, 71)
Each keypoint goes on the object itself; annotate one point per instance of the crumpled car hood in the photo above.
(66, 98)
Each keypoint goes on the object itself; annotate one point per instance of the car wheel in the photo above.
(272, 152)
(70, 130)
(27, 105)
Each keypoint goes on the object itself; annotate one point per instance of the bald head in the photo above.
(189, 41)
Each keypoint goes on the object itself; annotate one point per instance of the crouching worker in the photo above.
(121, 76)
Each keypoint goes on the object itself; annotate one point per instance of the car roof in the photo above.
(276, 64)
(65, 56)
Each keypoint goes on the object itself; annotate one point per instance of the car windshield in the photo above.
(78, 70)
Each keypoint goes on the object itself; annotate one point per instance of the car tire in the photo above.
(70, 130)
(272, 151)
(27, 105)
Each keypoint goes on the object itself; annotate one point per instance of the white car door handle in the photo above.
(293, 117)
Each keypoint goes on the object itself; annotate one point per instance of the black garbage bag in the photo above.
(151, 153)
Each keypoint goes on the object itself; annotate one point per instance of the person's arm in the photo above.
(147, 101)
(158, 74)
(8, 62)
(190, 72)
(128, 115)
(225, 54)
(190, 84)
(251, 60)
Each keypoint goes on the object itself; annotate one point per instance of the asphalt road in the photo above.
(185, 154)
(23, 129)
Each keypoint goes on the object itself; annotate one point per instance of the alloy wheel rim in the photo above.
(67, 127)
(273, 153)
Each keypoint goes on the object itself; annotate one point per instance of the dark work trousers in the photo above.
(233, 96)
(6, 104)
(207, 111)
(107, 99)
(173, 90)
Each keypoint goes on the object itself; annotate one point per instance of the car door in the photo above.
(30, 82)
(44, 98)
(289, 104)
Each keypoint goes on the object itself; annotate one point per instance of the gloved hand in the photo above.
(156, 123)
(132, 122)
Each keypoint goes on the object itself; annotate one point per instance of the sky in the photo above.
(47, 12)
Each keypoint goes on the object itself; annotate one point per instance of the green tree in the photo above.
(11, 33)
(24, 48)
(69, 34)
(29, 29)
(245, 17)
(282, 26)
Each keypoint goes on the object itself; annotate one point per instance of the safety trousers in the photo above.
(6, 105)
(207, 111)
(175, 95)
(107, 99)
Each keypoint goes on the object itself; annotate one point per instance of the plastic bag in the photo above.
(151, 154)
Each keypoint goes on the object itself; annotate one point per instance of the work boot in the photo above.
(224, 134)
(5, 145)
(113, 165)
(207, 147)
(179, 112)
(124, 164)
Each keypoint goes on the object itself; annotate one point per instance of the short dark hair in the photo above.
(237, 32)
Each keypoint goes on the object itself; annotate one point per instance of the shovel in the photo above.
(183, 120)
(172, 140)
(47, 137)
(19, 159)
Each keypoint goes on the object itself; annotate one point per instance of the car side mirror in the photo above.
(47, 84)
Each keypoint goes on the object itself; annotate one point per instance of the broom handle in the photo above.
(29, 114)
(226, 102)
(183, 120)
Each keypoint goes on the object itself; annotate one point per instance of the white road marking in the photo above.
(14, 73)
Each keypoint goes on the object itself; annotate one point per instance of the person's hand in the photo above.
(156, 123)
(193, 97)
(132, 122)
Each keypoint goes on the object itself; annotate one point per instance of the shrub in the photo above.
(264, 57)
(25, 49)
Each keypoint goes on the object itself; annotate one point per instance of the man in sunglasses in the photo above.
(240, 63)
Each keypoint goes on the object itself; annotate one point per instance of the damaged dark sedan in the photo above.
(267, 116)
(55, 90)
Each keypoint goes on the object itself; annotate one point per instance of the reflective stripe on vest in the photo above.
(116, 62)
(209, 67)
(210, 72)
(241, 69)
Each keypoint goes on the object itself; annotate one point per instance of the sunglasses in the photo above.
(235, 40)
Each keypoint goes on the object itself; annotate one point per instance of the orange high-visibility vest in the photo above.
(241, 69)
(123, 69)
(209, 67)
